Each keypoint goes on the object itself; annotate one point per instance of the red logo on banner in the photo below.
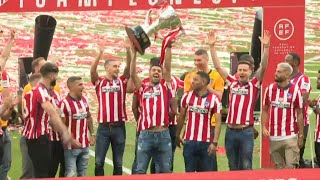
(283, 29)
(2, 2)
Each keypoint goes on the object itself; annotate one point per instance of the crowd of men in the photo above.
(59, 130)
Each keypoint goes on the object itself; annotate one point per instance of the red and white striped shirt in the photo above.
(39, 119)
(176, 83)
(26, 113)
(317, 130)
(5, 80)
(283, 105)
(199, 113)
(54, 136)
(76, 113)
(111, 96)
(154, 105)
(304, 84)
(242, 100)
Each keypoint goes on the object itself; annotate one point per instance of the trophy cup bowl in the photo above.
(139, 35)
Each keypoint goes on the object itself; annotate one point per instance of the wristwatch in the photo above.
(215, 143)
(314, 108)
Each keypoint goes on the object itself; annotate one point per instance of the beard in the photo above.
(53, 83)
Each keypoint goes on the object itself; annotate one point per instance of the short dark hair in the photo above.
(34, 77)
(36, 63)
(245, 62)
(201, 52)
(48, 68)
(73, 79)
(247, 57)
(204, 76)
(295, 57)
(155, 61)
(183, 76)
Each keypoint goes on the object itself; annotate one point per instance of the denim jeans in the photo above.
(172, 130)
(239, 147)
(196, 156)
(134, 164)
(5, 164)
(156, 145)
(117, 137)
(27, 166)
(76, 162)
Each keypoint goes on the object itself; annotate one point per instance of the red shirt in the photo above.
(111, 96)
(26, 113)
(242, 100)
(283, 104)
(199, 113)
(54, 136)
(154, 106)
(76, 113)
(39, 119)
(304, 84)
(175, 82)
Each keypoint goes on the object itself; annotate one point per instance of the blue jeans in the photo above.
(76, 162)
(172, 130)
(117, 137)
(196, 156)
(134, 164)
(5, 164)
(239, 147)
(156, 145)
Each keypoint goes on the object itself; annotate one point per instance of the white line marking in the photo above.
(110, 162)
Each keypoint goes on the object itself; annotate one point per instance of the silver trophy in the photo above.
(139, 35)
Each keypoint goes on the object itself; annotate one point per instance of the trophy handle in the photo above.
(147, 19)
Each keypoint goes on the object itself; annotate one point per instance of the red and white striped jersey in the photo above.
(176, 83)
(199, 113)
(154, 105)
(304, 84)
(27, 106)
(283, 105)
(76, 113)
(54, 136)
(242, 99)
(5, 80)
(39, 119)
(111, 96)
(317, 130)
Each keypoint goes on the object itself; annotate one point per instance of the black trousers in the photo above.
(57, 157)
(305, 134)
(39, 151)
(317, 151)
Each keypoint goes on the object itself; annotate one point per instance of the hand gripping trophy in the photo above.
(139, 35)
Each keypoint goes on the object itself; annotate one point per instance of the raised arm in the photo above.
(128, 60)
(212, 39)
(6, 51)
(93, 70)
(167, 65)
(265, 41)
(135, 79)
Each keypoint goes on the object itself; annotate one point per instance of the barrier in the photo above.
(289, 174)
